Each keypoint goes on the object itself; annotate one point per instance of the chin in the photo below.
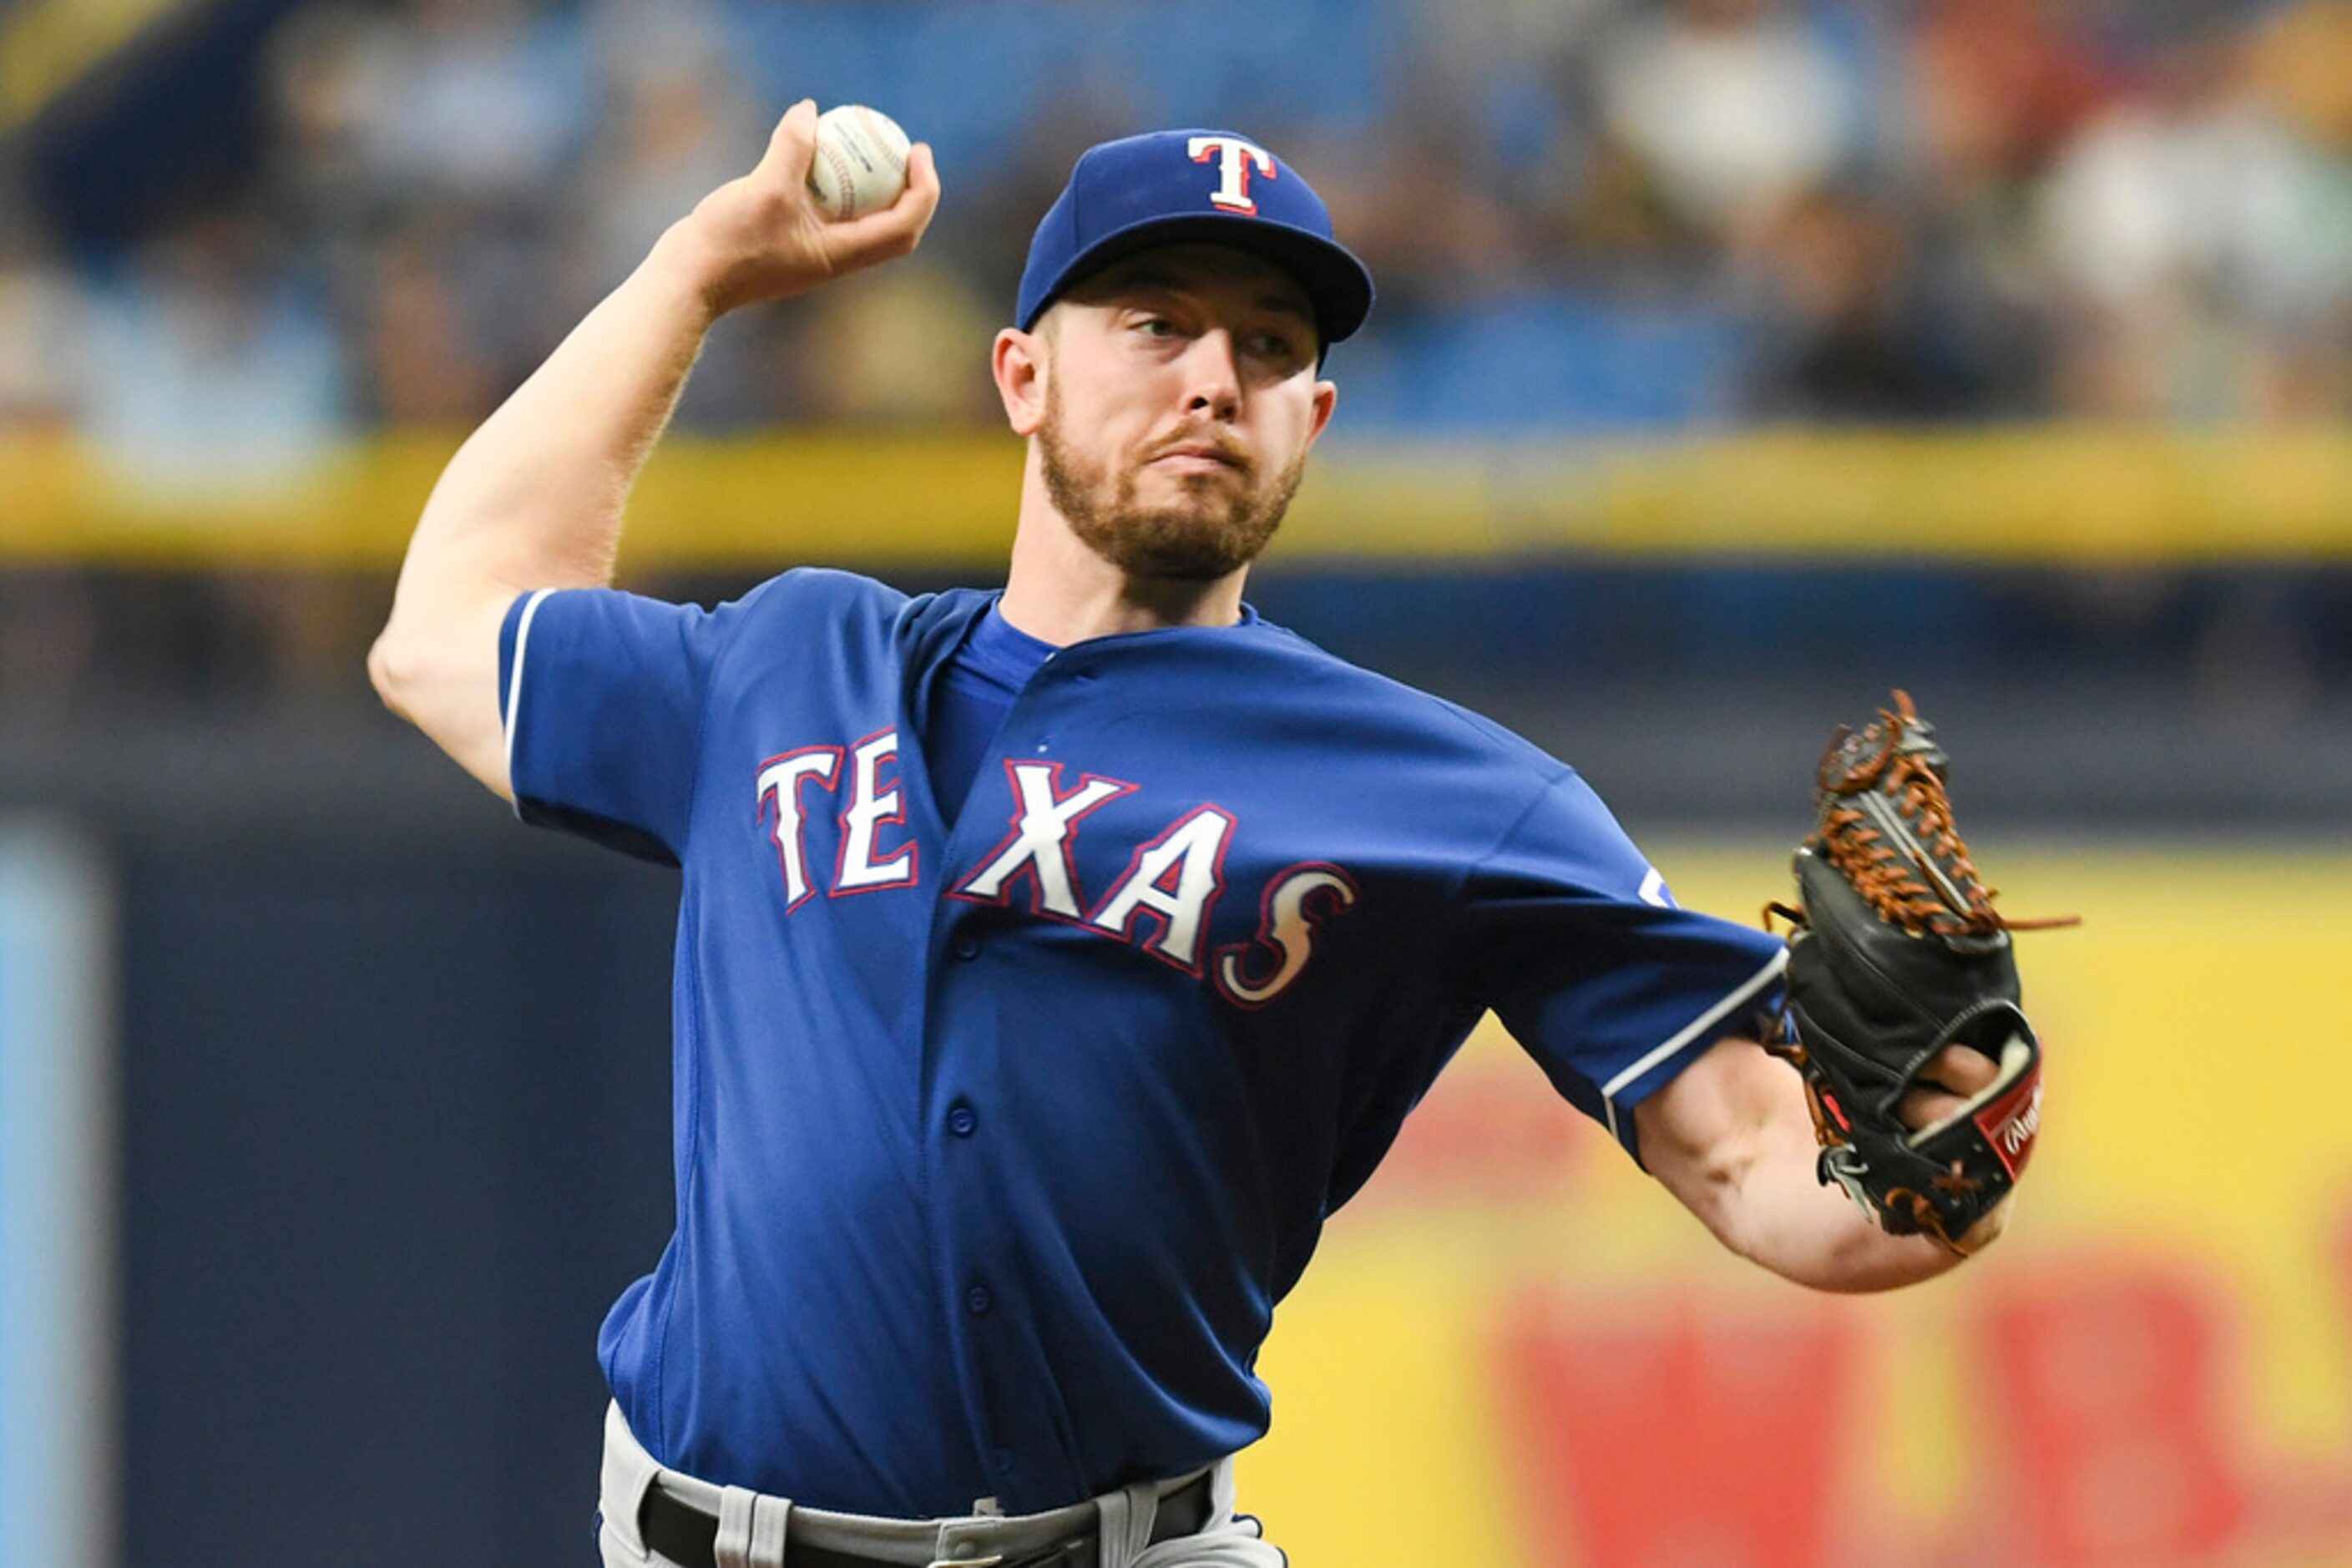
(1191, 546)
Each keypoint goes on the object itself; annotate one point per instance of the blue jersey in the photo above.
(996, 1146)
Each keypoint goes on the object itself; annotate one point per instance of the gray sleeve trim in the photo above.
(1696, 1028)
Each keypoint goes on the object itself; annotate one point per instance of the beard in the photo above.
(1225, 520)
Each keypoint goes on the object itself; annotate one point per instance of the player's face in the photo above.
(1180, 400)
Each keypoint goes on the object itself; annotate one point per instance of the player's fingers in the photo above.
(897, 229)
(1953, 1075)
(1926, 1106)
(1962, 1070)
(923, 178)
(791, 146)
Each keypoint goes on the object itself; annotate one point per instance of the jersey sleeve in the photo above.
(603, 694)
(1570, 936)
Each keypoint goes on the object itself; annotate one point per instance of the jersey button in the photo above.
(966, 949)
(962, 1121)
(976, 1300)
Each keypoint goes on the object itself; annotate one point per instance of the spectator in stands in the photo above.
(208, 367)
(897, 349)
(2199, 239)
(1735, 105)
(418, 350)
(677, 123)
(462, 175)
(38, 325)
(1995, 87)
(1992, 90)
(1836, 303)
(485, 101)
(48, 624)
(677, 120)
(2297, 65)
(1436, 240)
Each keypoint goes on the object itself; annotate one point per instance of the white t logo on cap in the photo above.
(1236, 158)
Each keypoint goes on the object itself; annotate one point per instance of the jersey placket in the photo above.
(991, 1326)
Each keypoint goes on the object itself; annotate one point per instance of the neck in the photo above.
(1060, 592)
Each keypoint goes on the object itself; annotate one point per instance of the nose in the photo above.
(1212, 376)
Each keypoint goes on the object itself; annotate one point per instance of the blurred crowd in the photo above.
(1585, 213)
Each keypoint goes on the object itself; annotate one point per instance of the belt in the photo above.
(689, 1536)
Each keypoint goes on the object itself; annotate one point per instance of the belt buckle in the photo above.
(1078, 1551)
(1067, 1554)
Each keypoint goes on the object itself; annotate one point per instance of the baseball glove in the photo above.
(1897, 953)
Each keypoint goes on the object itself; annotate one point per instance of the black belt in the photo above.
(689, 1537)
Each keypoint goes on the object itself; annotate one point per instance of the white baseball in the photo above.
(861, 161)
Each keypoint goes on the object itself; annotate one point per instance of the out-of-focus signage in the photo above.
(1515, 1348)
(56, 1212)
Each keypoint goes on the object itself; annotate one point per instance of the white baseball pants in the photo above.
(753, 1527)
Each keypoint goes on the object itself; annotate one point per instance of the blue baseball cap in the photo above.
(1193, 187)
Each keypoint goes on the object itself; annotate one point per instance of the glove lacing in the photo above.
(1886, 826)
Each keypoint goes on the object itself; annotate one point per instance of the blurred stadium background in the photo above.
(1735, 360)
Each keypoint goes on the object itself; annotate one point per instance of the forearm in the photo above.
(1774, 1211)
(1731, 1138)
(535, 497)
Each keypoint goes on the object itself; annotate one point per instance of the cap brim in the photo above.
(1338, 285)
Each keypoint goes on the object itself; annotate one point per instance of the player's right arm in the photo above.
(534, 498)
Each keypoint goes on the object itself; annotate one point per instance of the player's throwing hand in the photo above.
(763, 237)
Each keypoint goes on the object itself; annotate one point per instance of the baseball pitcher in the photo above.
(1052, 963)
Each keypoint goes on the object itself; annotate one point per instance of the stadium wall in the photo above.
(391, 1092)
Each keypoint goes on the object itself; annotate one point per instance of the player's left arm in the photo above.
(1730, 1136)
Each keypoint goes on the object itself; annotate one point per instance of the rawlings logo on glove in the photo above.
(1897, 955)
(2011, 1123)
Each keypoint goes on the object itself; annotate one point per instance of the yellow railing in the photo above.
(50, 45)
(2066, 495)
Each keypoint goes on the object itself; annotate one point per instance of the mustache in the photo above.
(1226, 449)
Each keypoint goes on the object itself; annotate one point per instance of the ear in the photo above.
(1327, 398)
(1019, 364)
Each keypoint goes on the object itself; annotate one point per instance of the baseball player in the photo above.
(1051, 962)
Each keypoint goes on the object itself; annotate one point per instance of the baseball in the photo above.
(861, 161)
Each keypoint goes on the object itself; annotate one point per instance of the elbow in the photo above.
(387, 669)
(434, 665)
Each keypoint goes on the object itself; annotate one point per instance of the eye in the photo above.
(1158, 327)
(1278, 348)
